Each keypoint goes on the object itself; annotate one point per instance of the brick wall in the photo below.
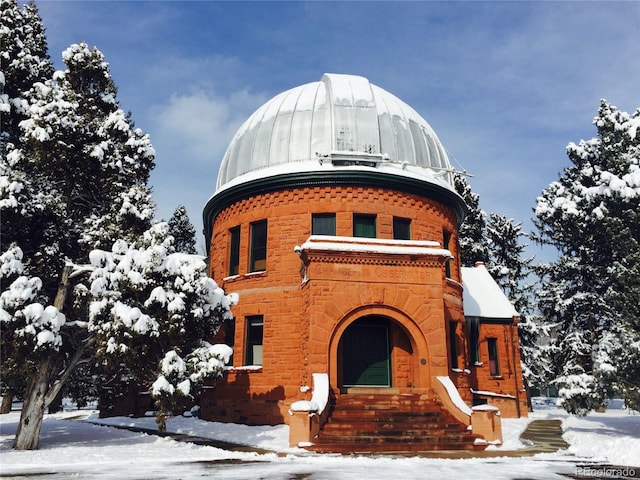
(303, 322)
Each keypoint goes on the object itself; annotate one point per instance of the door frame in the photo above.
(377, 330)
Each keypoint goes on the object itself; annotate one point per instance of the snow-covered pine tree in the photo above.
(121, 206)
(507, 264)
(149, 294)
(111, 165)
(591, 293)
(85, 169)
(473, 242)
(23, 61)
(74, 179)
(183, 232)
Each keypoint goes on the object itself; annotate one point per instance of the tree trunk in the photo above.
(528, 390)
(7, 401)
(28, 433)
(38, 396)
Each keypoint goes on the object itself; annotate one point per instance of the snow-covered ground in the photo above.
(73, 445)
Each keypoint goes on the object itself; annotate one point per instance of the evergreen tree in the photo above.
(497, 243)
(81, 169)
(74, 183)
(507, 263)
(473, 242)
(24, 60)
(183, 232)
(512, 271)
(107, 161)
(592, 292)
(73, 178)
(148, 294)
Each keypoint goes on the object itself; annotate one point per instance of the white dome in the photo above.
(342, 120)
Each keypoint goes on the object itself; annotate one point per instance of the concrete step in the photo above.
(384, 427)
(354, 448)
(380, 401)
(396, 437)
(374, 414)
(391, 422)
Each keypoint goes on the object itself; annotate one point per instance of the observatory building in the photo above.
(336, 221)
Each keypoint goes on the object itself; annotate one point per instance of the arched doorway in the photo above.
(389, 339)
(365, 350)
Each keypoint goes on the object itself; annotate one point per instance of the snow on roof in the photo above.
(398, 169)
(373, 245)
(482, 296)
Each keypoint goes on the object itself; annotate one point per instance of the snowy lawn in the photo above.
(72, 444)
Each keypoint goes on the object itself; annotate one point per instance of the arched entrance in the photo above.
(365, 350)
(374, 340)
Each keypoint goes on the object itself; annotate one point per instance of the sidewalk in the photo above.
(182, 437)
(545, 436)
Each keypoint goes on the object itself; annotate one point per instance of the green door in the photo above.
(365, 355)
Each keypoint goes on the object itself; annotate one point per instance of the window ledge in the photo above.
(259, 273)
(245, 368)
(491, 394)
(236, 278)
(460, 371)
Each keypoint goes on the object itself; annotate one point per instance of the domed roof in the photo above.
(340, 121)
(340, 131)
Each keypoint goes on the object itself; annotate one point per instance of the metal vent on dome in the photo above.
(349, 159)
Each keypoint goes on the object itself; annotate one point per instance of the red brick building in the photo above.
(335, 220)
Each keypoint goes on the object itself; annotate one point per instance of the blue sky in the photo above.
(505, 85)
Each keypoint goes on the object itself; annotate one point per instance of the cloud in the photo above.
(198, 126)
(190, 133)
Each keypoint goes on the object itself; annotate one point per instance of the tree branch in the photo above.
(60, 381)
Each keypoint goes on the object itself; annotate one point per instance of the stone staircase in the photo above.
(368, 423)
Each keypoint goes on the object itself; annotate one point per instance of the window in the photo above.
(494, 369)
(401, 228)
(258, 246)
(446, 240)
(234, 251)
(473, 334)
(453, 344)
(253, 351)
(230, 336)
(323, 224)
(364, 226)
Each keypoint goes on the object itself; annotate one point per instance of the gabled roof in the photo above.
(483, 297)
